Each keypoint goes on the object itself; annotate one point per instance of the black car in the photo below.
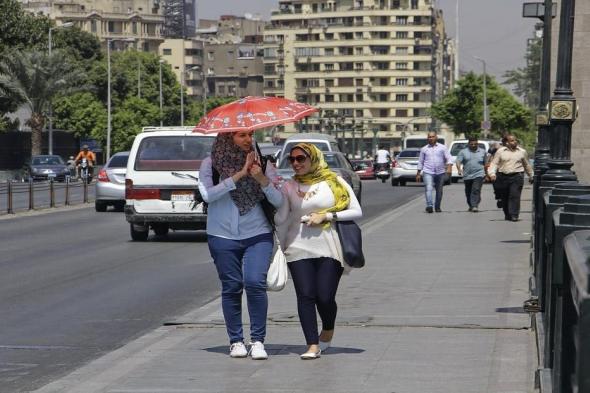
(46, 167)
(338, 163)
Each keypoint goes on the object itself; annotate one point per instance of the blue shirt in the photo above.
(473, 163)
(434, 159)
(223, 217)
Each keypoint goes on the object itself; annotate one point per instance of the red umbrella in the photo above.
(251, 113)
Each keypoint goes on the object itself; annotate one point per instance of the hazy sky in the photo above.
(491, 29)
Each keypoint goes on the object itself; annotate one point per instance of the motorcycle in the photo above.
(85, 173)
(382, 172)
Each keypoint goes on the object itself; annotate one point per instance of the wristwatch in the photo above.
(334, 216)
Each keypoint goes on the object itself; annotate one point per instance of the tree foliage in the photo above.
(462, 108)
(32, 78)
(525, 80)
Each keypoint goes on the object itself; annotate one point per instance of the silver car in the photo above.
(110, 183)
(405, 166)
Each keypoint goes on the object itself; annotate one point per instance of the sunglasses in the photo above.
(300, 159)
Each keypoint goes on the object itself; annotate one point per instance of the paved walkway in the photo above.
(438, 308)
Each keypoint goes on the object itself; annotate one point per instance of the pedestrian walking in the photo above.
(239, 234)
(434, 164)
(507, 171)
(491, 152)
(314, 198)
(470, 164)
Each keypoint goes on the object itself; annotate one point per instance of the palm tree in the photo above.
(33, 79)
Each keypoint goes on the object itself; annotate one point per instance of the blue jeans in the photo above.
(431, 183)
(243, 264)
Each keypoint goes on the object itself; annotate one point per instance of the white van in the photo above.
(322, 141)
(460, 144)
(157, 196)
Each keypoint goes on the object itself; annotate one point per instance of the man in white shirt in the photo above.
(383, 156)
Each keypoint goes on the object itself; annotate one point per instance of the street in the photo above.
(73, 287)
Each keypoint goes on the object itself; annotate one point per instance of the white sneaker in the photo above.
(238, 350)
(257, 351)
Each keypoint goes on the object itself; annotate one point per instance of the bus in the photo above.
(419, 141)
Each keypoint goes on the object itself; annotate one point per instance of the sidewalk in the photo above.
(437, 308)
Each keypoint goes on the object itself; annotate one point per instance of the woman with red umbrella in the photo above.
(235, 185)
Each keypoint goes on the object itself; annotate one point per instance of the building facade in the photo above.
(139, 21)
(374, 67)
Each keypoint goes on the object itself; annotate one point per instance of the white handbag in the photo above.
(278, 274)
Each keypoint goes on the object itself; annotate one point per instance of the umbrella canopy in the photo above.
(252, 113)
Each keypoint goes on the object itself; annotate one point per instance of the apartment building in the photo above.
(373, 67)
(233, 55)
(136, 23)
(185, 56)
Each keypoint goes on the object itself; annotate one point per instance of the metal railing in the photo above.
(18, 196)
(561, 285)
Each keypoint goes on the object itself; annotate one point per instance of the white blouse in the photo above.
(300, 241)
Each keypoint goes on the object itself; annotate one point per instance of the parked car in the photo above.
(159, 194)
(405, 166)
(322, 141)
(110, 183)
(458, 145)
(47, 167)
(364, 168)
(338, 163)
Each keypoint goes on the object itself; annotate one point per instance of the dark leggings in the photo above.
(316, 282)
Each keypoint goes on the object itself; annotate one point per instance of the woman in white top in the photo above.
(313, 199)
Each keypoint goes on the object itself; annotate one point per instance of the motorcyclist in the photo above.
(90, 158)
(382, 159)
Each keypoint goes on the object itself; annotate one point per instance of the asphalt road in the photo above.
(74, 287)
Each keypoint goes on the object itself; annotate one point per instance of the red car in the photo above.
(364, 168)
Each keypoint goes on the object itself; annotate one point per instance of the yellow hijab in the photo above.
(320, 172)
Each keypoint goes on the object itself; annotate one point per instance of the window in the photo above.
(359, 98)
(358, 51)
(269, 53)
(358, 82)
(401, 97)
(111, 27)
(358, 35)
(401, 34)
(304, 52)
(401, 113)
(401, 66)
(211, 56)
(329, 82)
(329, 36)
(167, 52)
(359, 113)
(401, 50)
(329, 98)
(221, 89)
(134, 27)
(329, 52)
(329, 66)
(401, 82)
(401, 20)
(383, 112)
(93, 27)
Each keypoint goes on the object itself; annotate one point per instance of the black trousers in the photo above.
(316, 282)
(510, 188)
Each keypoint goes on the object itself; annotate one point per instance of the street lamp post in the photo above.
(486, 121)
(109, 40)
(182, 97)
(50, 124)
(161, 98)
(562, 106)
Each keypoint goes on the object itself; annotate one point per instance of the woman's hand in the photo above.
(316, 219)
(258, 175)
(250, 158)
